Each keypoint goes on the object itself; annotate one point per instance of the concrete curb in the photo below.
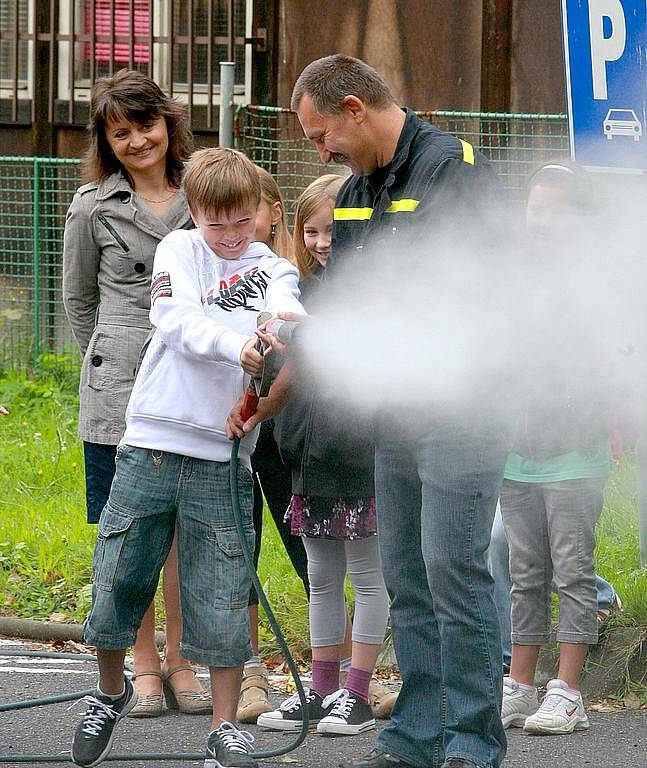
(31, 629)
(619, 657)
(621, 653)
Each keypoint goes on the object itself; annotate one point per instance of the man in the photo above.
(437, 478)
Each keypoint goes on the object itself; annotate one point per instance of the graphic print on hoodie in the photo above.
(204, 311)
(240, 291)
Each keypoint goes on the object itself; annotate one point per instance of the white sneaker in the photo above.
(561, 711)
(518, 703)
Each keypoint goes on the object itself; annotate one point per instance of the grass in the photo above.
(46, 546)
(618, 548)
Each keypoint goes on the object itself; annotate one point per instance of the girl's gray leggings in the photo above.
(328, 562)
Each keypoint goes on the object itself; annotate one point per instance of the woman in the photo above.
(139, 141)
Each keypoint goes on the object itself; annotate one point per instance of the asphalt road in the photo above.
(615, 740)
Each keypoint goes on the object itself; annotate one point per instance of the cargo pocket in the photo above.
(113, 529)
(232, 580)
(245, 494)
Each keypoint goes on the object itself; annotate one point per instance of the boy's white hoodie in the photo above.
(204, 310)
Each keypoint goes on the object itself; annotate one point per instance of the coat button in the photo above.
(140, 267)
(96, 361)
(124, 197)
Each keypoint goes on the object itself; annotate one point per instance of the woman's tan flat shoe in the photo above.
(253, 694)
(381, 699)
(188, 702)
(148, 704)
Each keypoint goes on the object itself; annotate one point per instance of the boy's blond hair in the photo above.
(322, 190)
(220, 180)
(281, 239)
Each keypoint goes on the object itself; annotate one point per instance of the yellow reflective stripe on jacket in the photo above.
(352, 214)
(407, 204)
(364, 214)
(468, 152)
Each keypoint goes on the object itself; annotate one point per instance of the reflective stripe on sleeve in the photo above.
(407, 204)
(468, 152)
(364, 214)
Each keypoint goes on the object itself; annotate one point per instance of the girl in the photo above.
(268, 471)
(139, 141)
(554, 479)
(333, 510)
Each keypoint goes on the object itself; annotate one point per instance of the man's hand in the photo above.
(270, 341)
(296, 316)
(251, 359)
(235, 425)
(268, 407)
(3, 411)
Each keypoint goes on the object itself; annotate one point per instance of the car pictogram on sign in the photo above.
(622, 122)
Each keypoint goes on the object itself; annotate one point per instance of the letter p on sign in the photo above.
(603, 48)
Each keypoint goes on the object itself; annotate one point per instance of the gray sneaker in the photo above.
(228, 747)
(93, 738)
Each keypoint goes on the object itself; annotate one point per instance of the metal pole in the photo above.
(231, 39)
(641, 483)
(226, 124)
(36, 262)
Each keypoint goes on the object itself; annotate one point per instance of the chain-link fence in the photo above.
(516, 143)
(36, 193)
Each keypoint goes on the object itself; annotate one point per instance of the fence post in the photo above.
(226, 123)
(641, 487)
(36, 261)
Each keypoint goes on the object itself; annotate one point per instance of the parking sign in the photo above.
(605, 52)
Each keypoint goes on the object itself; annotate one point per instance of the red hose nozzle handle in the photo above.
(250, 404)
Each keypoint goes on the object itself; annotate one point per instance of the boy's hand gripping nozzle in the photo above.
(258, 387)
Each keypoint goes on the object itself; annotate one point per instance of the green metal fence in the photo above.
(516, 143)
(36, 193)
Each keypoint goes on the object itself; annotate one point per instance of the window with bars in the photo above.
(136, 33)
(202, 19)
(14, 53)
(119, 18)
(179, 43)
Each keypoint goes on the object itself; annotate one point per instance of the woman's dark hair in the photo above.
(133, 96)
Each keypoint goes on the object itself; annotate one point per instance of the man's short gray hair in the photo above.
(329, 80)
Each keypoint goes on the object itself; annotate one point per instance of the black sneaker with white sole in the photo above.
(348, 716)
(228, 747)
(93, 737)
(289, 716)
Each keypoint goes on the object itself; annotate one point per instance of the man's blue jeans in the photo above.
(436, 496)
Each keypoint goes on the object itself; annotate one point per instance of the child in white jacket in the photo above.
(172, 466)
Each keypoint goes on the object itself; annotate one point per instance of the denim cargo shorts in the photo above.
(152, 493)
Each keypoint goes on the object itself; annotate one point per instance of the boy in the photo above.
(172, 465)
